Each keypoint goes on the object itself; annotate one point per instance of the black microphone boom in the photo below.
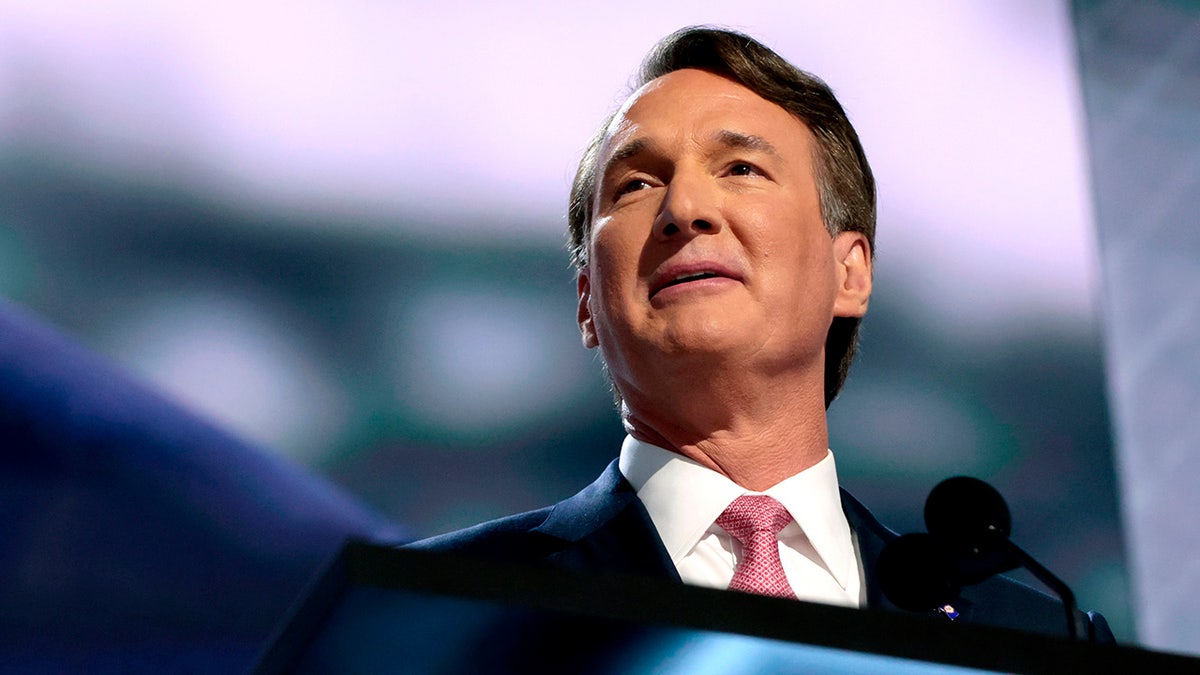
(968, 542)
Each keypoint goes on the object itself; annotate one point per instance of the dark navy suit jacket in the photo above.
(606, 529)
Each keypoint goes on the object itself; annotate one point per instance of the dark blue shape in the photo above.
(135, 536)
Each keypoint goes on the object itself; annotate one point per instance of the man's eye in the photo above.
(633, 186)
(742, 169)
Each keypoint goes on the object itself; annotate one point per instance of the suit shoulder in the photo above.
(1005, 602)
(1004, 596)
(514, 538)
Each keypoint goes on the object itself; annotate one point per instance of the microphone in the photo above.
(967, 509)
(968, 542)
(973, 520)
(916, 573)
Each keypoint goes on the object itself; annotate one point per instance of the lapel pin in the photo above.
(949, 611)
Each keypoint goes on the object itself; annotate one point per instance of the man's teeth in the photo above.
(693, 276)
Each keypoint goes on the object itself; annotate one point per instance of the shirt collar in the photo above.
(684, 499)
(815, 502)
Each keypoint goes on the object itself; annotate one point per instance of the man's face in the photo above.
(707, 238)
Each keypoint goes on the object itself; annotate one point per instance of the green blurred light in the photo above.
(17, 265)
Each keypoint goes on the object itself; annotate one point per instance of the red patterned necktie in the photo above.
(755, 520)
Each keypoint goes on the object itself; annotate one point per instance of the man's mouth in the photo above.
(685, 276)
(683, 279)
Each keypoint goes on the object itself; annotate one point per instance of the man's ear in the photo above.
(852, 256)
(584, 315)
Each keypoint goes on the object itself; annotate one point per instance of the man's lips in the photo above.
(674, 275)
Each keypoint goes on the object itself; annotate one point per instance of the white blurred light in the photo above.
(483, 360)
(228, 361)
(464, 118)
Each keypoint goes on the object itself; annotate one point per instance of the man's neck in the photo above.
(754, 446)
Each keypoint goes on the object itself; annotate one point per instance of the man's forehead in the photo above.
(696, 82)
(671, 97)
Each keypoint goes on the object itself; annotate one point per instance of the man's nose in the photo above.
(689, 208)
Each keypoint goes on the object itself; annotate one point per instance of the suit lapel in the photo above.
(872, 537)
(606, 529)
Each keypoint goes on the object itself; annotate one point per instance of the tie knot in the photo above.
(751, 515)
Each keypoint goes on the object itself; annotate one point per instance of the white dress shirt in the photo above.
(684, 499)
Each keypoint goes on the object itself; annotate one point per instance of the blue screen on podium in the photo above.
(373, 630)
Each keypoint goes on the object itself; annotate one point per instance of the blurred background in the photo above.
(337, 230)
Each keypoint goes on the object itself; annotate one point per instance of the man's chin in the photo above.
(710, 334)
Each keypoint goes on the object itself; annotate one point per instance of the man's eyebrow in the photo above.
(736, 139)
(628, 151)
(727, 138)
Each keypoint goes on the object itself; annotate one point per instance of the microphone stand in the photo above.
(1053, 582)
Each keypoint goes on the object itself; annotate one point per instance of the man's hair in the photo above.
(845, 184)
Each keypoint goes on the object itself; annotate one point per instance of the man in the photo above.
(722, 223)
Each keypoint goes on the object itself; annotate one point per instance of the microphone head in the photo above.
(916, 573)
(968, 512)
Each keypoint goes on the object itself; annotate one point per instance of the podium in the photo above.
(378, 610)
